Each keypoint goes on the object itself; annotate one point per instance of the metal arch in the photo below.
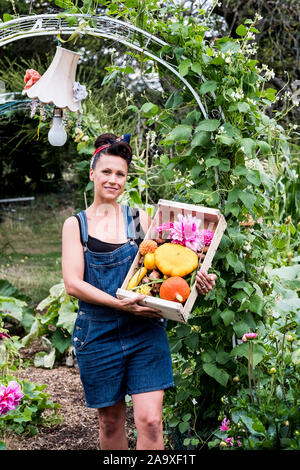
(106, 27)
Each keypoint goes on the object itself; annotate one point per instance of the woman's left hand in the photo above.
(205, 282)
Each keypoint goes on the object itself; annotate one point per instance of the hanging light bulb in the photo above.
(57, 135)
(57, 86)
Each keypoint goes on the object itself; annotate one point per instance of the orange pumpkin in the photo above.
(175, 288)
(147, 246)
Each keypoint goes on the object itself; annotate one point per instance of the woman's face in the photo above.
(109, 177)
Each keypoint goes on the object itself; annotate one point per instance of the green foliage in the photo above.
(265, 415)
(30, 413)
(54, 325)
(15, 306)
(240, 160)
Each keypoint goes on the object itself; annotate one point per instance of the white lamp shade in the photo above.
(56, 85)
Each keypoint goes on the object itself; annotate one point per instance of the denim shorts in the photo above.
(120, 356)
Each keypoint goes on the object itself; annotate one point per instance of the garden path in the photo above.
(79, 428)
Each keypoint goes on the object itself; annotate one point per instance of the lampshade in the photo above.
(56, 85)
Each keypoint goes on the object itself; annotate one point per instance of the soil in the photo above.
(79, 428)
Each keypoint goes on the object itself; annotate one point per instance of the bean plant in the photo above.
(241, 160)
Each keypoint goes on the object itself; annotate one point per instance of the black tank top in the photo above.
(99, 246)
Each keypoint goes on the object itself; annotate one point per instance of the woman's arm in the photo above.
(73, 275)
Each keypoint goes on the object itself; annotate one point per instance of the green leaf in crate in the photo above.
(7, 17)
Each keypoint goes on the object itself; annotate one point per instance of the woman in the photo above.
(121, 346)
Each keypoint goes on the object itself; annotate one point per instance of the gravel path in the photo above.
(79, 428)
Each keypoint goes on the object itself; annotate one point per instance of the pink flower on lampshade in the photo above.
(225, 425)
(10, 397)
(186, 232)
(30, 78)
(247, 336)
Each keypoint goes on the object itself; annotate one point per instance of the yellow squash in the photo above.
(149, 261)
(175, 260)
(136, 278)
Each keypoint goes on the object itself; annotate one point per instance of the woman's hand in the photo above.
(132, 306)
(205, 282)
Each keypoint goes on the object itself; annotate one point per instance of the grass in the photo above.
(30, 249)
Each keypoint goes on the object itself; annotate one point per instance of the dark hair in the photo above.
(117, 148)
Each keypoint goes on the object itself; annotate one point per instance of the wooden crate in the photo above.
(168, 211)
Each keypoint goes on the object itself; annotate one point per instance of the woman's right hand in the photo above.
(132, 306)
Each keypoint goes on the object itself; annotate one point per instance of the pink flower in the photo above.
(30, 78)
(4, 335)
(186, 232)
(239, 443)
(164, 227)
(10, 397)
(249, 336)
(229, 441)
(225, 425)
(206, 236)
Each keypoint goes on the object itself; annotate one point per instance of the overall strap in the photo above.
(83, 227)
(129, 221)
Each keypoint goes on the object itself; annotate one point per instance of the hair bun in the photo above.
(104, 139)
(118, 148)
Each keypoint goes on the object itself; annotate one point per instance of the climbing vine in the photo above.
(242, 161)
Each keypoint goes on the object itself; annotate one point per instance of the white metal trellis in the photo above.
(93, 25)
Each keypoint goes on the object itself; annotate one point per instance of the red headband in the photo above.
(101, 148)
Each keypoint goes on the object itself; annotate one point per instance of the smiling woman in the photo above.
(121, 347)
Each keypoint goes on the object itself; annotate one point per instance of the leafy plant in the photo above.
(234, 155)
(35, 409)
(55, 325)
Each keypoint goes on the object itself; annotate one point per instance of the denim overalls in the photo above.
(118, 353)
